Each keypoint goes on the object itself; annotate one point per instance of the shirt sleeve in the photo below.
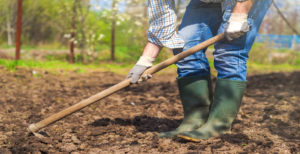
(226, 4)
(163, 23)
(212, 1)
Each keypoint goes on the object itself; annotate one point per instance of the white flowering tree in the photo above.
(96, 29)
(127, 19)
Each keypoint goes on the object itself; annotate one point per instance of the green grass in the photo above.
(5, 46)
(123, 68)
(28, 47)
(257, 63)
(55, 66)
(265, 68)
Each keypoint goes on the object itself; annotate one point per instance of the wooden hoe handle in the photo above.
(84, 103)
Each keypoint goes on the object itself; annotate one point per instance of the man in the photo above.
(205, 114)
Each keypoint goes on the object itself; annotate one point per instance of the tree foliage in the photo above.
(50, 22)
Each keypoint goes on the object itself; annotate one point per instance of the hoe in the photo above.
(34, 128)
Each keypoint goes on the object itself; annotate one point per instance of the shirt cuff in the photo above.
(174, 42)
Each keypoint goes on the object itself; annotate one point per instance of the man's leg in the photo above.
(193, 72)
(231, 56)
(230, 62)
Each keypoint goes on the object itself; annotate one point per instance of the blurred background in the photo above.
(54, 53)
(112, 33)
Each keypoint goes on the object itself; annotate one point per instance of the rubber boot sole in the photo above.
(189, 138)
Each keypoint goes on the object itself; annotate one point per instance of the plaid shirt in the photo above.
(162, 19)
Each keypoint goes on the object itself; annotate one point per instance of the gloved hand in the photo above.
(139, 68)
(237, 26)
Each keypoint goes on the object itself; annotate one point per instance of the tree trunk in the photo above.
(83, 14)
(73, 29)
(113, 30)
(83, 47)
(178, 6)
(285, 20)
(9, 30)
(145, 20)
(19, 29)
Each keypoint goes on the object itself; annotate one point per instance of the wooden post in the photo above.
(19, 29)
(73, 29)
(113, 30)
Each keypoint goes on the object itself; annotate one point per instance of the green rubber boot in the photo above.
(196, 95)
(227, 101)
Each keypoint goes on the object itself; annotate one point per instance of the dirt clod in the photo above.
(68, 147)
(129, 121)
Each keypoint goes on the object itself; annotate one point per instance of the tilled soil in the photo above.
(128, 121)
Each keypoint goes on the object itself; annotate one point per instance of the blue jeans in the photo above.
(204, 20)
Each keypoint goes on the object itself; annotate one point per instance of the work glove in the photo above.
(237, 26)
(139, 68)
